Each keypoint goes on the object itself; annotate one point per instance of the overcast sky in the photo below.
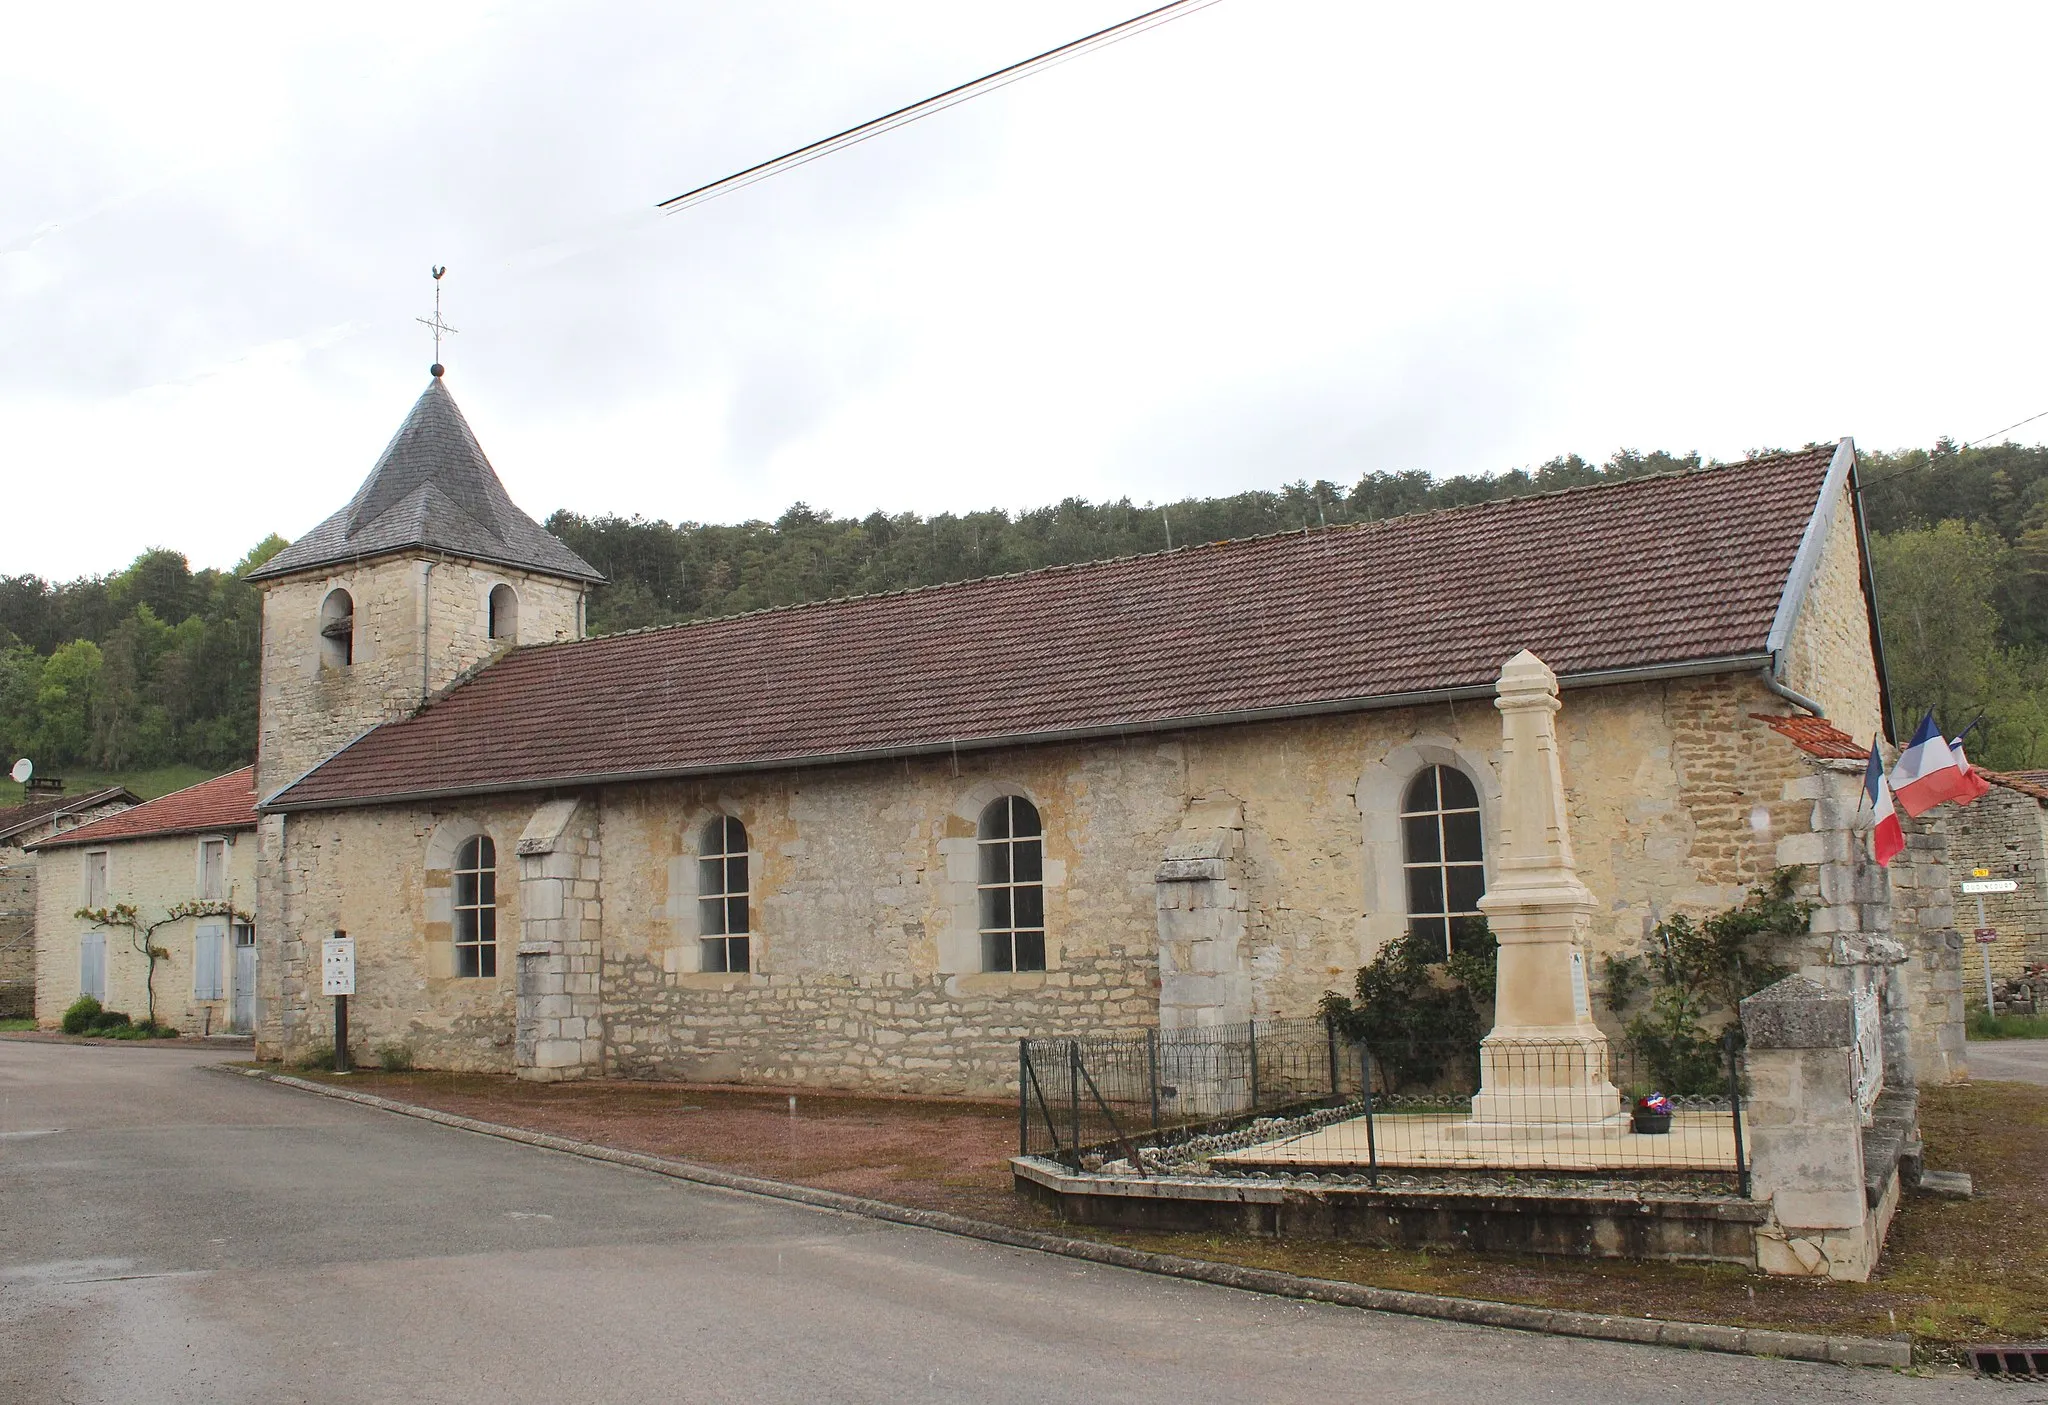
(1277, 239)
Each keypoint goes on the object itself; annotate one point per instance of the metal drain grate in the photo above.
(2012, 1361)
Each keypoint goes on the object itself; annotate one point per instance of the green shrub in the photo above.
(107, 1021)
(164, 1031)
(1697, 974)
(394, 1058)
(318, 1059)
(1985, 1025)
(1422, 1015)
(78, 1019)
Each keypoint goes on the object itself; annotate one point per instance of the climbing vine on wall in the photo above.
(1682, 991)
(142, 934)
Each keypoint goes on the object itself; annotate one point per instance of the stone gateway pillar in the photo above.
(1544, 1069)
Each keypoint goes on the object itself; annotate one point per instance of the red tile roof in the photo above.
(225, 802)
(1816, 736)
(2034, 783)
(1663, 570)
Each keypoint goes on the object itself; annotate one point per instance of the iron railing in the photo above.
(1297, 1098)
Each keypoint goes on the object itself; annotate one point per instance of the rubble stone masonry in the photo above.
(2006, 832)
(864, 935)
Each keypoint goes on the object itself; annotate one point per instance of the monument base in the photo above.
(1545, 1084)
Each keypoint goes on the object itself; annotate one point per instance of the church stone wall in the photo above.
(382, 876)
(1830, 658)
(863, 883)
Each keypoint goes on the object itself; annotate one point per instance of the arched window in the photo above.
(722, 896)
(1445, 857)
(476, 907)
(504, 610)
(1012, 887)
(337, 630)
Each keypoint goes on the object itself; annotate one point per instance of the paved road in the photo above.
(171, 1235)
(2010, 1060)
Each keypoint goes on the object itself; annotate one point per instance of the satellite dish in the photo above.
(23, 769)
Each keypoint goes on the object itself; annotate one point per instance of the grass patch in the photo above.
(150, 784)
(1985, 1025)
(16, 1026)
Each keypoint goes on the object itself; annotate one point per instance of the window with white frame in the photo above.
(722, 896)
(96, 879)
(209, 961)
(476, 907)
(1444, 857)
(213, 869)
(1012, 886)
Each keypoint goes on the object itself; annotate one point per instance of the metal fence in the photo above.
(1297, 1098)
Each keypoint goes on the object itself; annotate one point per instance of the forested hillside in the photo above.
(157, 664)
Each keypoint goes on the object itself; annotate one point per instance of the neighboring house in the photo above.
(2005, 833)
(20, 826)
(193, 848)
(871, 842)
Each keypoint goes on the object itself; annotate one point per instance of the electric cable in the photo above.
(938, 102)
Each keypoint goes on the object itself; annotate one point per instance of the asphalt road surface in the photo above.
(2010, 1060)
(169, 1234)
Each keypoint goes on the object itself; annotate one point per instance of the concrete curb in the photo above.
(1646, 1331)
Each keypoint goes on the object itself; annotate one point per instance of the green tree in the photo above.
(67, 690)
(1935, 589)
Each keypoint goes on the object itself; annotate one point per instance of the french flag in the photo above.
(1974, 784)
(1887, 838)
(1927, 774)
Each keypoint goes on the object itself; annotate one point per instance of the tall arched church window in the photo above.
(1012, 886)
(338, 629)
(504, 612)
(1445, 857)
(722, 893)
(476, 907)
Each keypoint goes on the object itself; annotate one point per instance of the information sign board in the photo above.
(338, 966)
(1987, 934)
(1990, 885)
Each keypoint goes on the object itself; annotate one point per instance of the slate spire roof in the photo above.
(432, 490)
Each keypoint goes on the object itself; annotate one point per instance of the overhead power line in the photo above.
(1930, 461)
(938, 102)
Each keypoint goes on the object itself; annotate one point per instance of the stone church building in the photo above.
(871, 842)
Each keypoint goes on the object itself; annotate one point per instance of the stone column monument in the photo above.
(1544, 1070)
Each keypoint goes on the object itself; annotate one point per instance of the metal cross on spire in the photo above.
(441, 329)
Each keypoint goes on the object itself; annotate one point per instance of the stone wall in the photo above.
(866, 954)
(154, 875)
(404, 650)
(2005, 832)
(1829, 657)
(383, 876)
(17, 933)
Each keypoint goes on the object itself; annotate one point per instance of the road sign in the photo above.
(338, 966)
(1990, 885)
(1987, 934)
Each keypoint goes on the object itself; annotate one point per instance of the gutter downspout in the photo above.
(1774, 679)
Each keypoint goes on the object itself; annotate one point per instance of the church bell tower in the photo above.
(430, 570)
